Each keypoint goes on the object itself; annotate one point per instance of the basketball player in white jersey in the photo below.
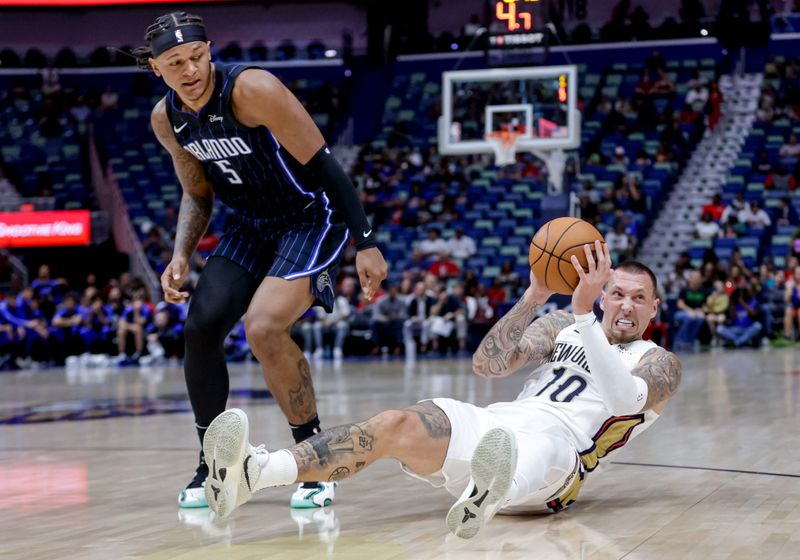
(595, 386)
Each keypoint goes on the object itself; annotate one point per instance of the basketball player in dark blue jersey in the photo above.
(238, 134)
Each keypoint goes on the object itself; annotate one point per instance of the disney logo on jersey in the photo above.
(214, 118)
(217, 149)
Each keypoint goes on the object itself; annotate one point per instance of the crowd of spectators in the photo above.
(52, 323)
(729, 304)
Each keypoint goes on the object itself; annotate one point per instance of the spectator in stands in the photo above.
(390, 316)
(665, 153)
(134, 321)
(66, 325)
(109, 99)
(706, 228)
(715, 100)
(619, 157)
(779, 179)
(449, 320)
(480, 314)
(689, 318)
(697, 96)
(644, 87)
(48, 117)
(508, 277)
(763, 164)
(165, 338)
(663, 84)
(620, 244)
(716, 208)
(732, 210)
(755, 217)
(743, 326)
(790, 148)
(32, 329)
(97, 329)
(418, 323)
(791, 315)
(444, 267)
(678, 279)
(336, 323)
(461, 247)
(688, 116)
(785, 214)
(716, 308)
(433, 245)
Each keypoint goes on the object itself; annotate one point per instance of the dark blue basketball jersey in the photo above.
(248, 168)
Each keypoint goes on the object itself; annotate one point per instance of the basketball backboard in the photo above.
(540, 102)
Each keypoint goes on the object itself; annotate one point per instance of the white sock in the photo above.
(280, 470)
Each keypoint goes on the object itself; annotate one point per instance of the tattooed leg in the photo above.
(417, 436)
(273, 310)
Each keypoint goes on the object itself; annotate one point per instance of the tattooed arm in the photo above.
(197, 203)
(514, 342)
(662, 371)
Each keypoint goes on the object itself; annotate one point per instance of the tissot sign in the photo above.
(45, 229)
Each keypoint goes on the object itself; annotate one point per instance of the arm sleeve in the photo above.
(622, 392)
(325, 171)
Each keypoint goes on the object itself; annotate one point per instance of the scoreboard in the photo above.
(518, 23)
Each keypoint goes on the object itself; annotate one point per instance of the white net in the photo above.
(504, 144)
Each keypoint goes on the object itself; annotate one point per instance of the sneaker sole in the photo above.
(203, 503)
(224, 445)
(492, 468)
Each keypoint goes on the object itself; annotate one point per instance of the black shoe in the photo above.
(194, 495)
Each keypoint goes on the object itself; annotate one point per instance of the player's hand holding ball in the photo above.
(591, 283)
(552, 249)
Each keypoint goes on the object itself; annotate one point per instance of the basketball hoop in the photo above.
(504, 144)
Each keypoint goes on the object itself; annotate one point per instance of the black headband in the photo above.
(177, 36)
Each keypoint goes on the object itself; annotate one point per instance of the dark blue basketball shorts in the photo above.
(306, 251)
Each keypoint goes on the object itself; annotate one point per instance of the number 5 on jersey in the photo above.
(225, 167)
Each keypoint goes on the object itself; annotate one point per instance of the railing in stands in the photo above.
(110, 200)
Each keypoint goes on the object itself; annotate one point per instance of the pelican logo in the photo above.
(324, 281)
(179, 35)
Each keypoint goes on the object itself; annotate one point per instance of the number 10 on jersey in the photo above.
(565, 391)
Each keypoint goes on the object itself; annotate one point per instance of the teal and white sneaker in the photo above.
(313, 495)
(194, 495)
(492, 468)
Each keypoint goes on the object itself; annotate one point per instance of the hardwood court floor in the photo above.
(717, 477)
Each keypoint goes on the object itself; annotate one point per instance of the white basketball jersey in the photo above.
(564, 387)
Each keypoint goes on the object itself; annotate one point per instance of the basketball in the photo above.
(551, 249)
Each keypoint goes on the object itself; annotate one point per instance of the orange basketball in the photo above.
(551, 249)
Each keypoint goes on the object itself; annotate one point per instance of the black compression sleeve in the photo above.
(323, 170)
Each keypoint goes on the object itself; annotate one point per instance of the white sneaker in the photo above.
(313, 495)
(492, 468)
(337, 354)
(318, 354)
(225, 445)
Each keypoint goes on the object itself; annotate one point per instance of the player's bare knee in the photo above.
(403, 426)
(263, 333)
